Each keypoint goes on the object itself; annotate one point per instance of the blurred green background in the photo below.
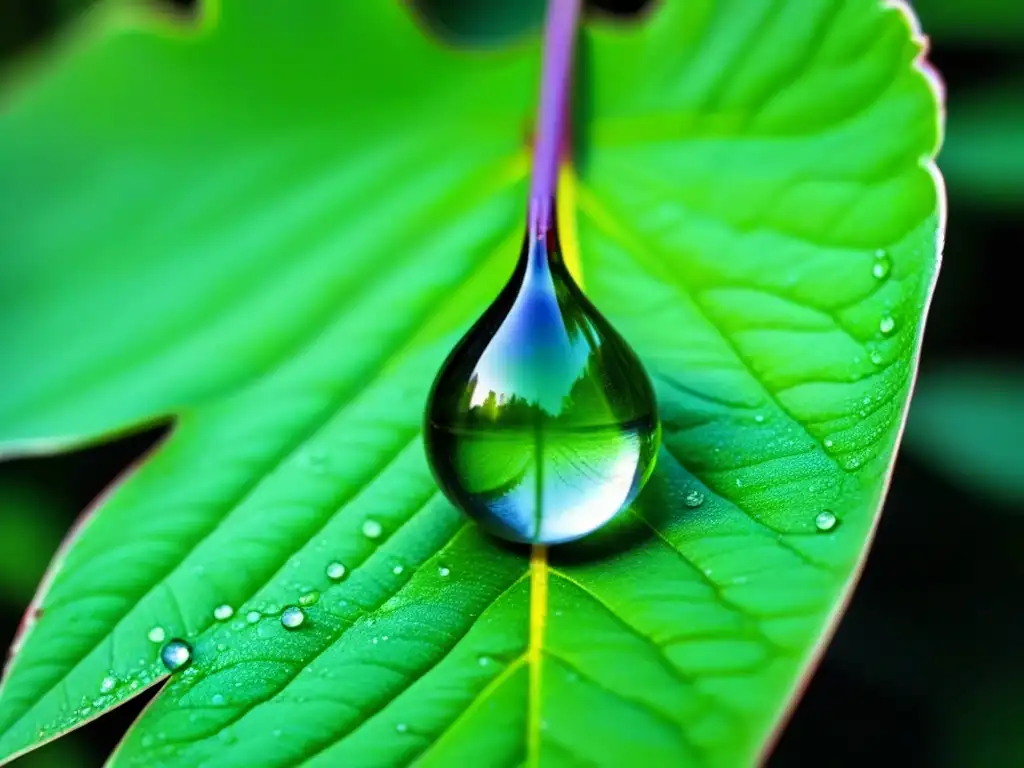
(925, 668)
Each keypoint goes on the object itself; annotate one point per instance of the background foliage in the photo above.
(923, 667)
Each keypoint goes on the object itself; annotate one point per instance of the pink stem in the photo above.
(556, 78)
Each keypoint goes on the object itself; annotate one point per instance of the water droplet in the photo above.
(759, 418)
(108, 684)
(825, 521)
(335, 571)
(542, 423)
(176, 654)
(217, 700)
(739, 483)
(882, 266)
(157, 634)
(397, 570)
(886, 325)
(253, 616)
(880, 253)
(693, 499)
(292, 617)
(372, 529)
(444, 571)
(310, 598)
(401, 727)
(223, 612)
(147, 741)
(829, 443)
(876, 357)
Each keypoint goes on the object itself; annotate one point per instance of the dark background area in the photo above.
(925, 668)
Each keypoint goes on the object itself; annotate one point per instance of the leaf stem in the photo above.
(556, 78)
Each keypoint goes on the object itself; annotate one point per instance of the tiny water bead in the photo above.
(335, 571)
(108, 684)
(693, 499)
(309, 598)
(825, 521)
(223, 612)
(542, 423)
(253, 616)
(444, 571)
(176, 654)
(157, 635)
(292, 617)
(882, 266)
(372, 529)
(886, 325)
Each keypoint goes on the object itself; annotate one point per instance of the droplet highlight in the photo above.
(542, 423)
(157, 635)
(223, 612)
(292, 617)
(108, 684)
(882, 266)
(693, 499)
(176, 654)
(825, 521)
(886, 325)
(253, 616)
(372, 529)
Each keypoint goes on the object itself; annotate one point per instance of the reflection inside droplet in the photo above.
(542, 423)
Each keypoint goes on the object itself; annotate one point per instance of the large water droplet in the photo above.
(176, 654)
(542, 423)
(292, 617)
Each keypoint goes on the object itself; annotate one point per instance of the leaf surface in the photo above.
(276, 226)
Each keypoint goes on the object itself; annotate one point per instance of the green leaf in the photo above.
(966, 422)
(274, 228)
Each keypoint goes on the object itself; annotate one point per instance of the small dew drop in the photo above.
(147, 741)
(223, 612)
(693, 499)
(310, 598)
(880, 253)
(108, 684)
(157, 635)
(829, 443)
(253, 616)
(825, 521)
(759, 418)
(176, 654)
(739, 483)
(886, 325)
(397, 570)
(217, 700)
(876, 357)
(401, 727)
(882, 266)
(484, 661)
(335, 571)
(292, 617)
(372, 529)
(444, 571)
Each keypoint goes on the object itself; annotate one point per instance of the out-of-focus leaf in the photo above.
(29, 535)
(968, 422)
(276, 228)
(983, 157)
(981, 21)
